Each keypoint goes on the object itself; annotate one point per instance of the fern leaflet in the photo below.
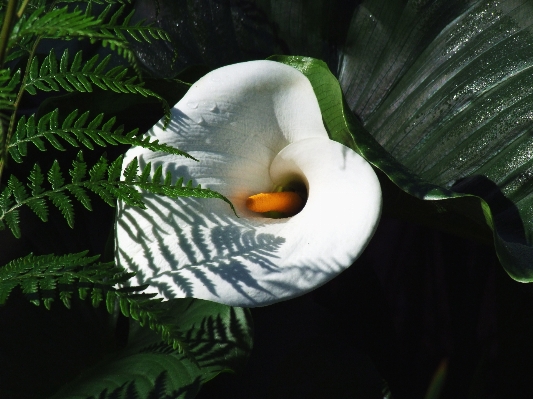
(138, 31)
(57, 23)
(74, 130)
(8, 84)
(42, 277)
(108, 189)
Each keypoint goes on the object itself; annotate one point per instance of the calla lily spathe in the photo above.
(252, 126)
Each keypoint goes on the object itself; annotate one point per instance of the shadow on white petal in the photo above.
(218, 258)
(188, 247)
(196, 253)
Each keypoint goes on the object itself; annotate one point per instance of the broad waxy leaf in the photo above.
(345, 128)
(454, 124)
(446, 91)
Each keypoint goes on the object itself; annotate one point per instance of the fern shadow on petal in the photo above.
(193, 251)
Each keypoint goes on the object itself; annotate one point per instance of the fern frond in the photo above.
(8, 85)
(10, 217)
(36, 180)
(62, 23)
(77, 129)
(149, 312)
(13, 222)
(42, 277)
(172, 190)
(54, 76)
(108, 189)
(17, 189)
(55, 177)
(60, 193)
(46, 272)
(138, 31)
(99, 170)
(58, 23)
(153, 145)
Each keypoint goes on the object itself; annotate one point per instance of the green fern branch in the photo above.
(16, 194)
(62, 23)
(42, 278)
(79, 76)
(41, 20)
(109, 189)
(59, 23)
(76, 129)
(139, 31)
(148, 312)
(154, 185)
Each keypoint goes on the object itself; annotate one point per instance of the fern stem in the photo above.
(6, 28)
(6, 136)
(4, 40)
(22, 8)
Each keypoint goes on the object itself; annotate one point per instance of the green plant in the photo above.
(26, 72)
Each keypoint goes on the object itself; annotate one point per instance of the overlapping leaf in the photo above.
(446, 90)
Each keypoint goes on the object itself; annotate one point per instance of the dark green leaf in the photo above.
(12, 221)
(55, 177)
(63, 203)
(99, 169)
(130, 173)
(36, 179)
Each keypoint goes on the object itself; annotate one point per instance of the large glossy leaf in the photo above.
(446, 89)
(463, 214)
(218, 336)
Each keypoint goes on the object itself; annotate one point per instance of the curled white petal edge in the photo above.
(183, 247)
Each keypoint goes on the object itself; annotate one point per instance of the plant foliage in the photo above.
(42, 277)
(102, 178)
(77, 129)
(26, 73)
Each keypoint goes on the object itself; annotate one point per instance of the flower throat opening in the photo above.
(285, 201)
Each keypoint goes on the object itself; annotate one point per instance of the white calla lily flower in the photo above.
(253, 127)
